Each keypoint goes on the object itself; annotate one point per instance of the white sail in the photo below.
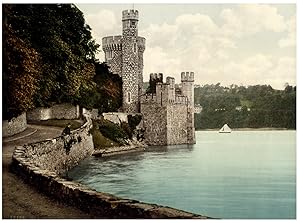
(225, 129)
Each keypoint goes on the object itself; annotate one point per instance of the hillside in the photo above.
(256, 106)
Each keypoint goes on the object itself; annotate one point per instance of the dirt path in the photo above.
(19, 200)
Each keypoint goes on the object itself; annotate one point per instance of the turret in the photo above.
(187, 88)
(130, 61)
(187, 82)
(130, 20)
(171, 82)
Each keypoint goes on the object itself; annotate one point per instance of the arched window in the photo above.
(134, 48)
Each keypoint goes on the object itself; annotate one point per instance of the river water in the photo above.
(242, 175)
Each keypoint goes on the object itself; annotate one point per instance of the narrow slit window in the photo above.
(129, 97)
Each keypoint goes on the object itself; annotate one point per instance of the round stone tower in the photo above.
(130, 63)
(124, 55)
(187, 88)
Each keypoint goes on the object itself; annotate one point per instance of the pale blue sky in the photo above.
(226, 43)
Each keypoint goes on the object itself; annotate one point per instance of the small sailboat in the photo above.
(225, 129)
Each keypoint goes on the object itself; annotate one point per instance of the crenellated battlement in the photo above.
(155, 76)
(180, 99)
(171, 82)
(154, 100)
(187, 76)
(112, 43)
(148, 98)
(130, 15)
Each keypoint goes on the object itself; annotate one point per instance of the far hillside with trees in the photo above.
(258, 106)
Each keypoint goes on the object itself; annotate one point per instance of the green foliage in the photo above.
(20, 74)
(127, 129)
(50, 58)
(59, 34)
(260, 106)
(134, 120)
(99, 140)
(112, 131)
(108, 89)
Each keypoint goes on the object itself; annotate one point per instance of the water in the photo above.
(242, 175)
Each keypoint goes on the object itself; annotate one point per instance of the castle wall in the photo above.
(191, 139)
(155, 122)
(177, 124)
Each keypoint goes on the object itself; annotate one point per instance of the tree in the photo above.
(59, 34)
(21, 71)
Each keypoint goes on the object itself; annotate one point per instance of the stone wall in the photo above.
(56, 156)
(41, 164)
(177, 124)
(155, 123)
(116, 117)
(14, 126)
(60, 111)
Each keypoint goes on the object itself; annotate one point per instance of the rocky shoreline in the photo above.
(134, 146)
(249, 129)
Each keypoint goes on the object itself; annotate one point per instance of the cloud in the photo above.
(103, 23)
(209, 47)
(249, 19)
(290, 39)
(158, 61)
(261, 69)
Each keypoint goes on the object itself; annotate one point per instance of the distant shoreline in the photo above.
(250, 129)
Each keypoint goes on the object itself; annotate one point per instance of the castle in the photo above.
(168, 115)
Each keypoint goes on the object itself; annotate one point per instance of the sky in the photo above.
(243, 44)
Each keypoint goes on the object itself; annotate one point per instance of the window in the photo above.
(128, 97)
(134, 48)
(110, 54)
(132, 25)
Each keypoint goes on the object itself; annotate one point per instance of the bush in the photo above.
(112, 131)
(99, 140)
(133, 121)
(125, 126)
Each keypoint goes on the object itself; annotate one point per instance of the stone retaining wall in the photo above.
(14, 126)
(41, 164)
(60, 111)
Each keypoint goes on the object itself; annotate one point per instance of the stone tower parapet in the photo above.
(130, 14)
(187, 76)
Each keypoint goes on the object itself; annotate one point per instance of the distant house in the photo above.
(238, 108)
(220, 109)
(197, 108)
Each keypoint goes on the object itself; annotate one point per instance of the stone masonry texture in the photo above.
(14, 126)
